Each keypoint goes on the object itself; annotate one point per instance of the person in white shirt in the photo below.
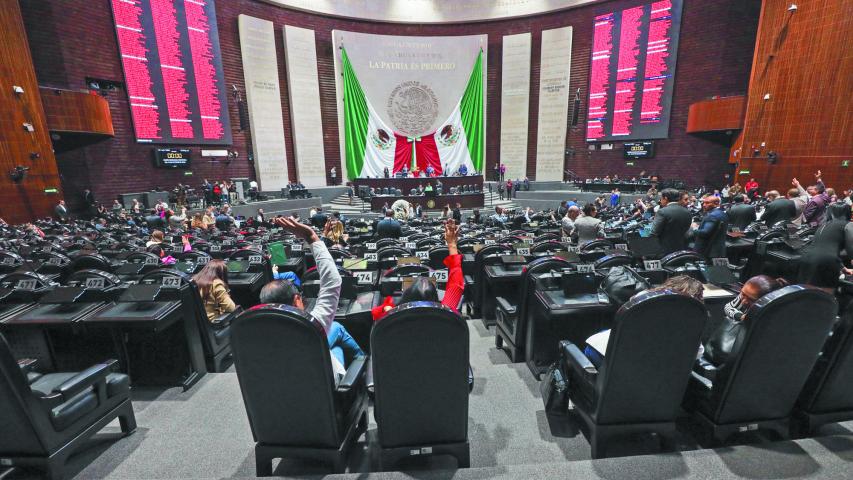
(568, 221)
(588, 227)
(342, 348)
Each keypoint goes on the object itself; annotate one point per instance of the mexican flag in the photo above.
(372, 146)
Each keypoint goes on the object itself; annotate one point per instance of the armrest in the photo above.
(85, 379)
(578, 362)
(27, 365)
(224, 320)
(353, 375)
(504, 304)
(705, 369)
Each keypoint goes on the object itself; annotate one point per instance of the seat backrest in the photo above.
(420, 372)
(596, 245)
(650, 352)
(785, 331)
(389, 252)
(829, 388)
(406, 270)
(19, 428)
(547, 246)
(615, 259)
(437, 256)
(681, 258)
(285, 373)
(90, 261)
(540, 265)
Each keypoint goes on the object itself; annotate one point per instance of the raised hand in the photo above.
(451, 232)
(300, 230)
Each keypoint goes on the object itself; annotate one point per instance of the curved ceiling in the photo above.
(429, 11)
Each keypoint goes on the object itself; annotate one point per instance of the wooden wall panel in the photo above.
(79, 112)
(24, 201)
(804, 61)
(716, 114)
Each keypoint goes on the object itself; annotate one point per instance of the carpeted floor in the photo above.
(204, 433)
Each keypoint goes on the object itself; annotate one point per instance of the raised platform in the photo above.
(407, 184)
(543, 200)
(437, 202)
(277, 206)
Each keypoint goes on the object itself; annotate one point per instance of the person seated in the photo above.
(430, 171)
(424, 290)
(290, 276)
(725, 342)
(681, 284)
(212, 283)
(156, 238)
(499, 216)
(342, 347)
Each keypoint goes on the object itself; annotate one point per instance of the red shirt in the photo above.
(750, 186)
(452, 294)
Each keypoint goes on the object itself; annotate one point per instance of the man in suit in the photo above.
(389, 227)
(671, 222)
(587, 227)
(779, 209)
(741, 214)
(710, 234)
(61, 211)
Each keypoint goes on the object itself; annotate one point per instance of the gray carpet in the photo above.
(204, 433)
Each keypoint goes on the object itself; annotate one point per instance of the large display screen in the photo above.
(173, 70)
(632, 72)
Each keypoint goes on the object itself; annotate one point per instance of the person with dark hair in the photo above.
(741, 214)
(710, 234)
(671, 222)
(224, 221)
(475, 217)
(319, 219)
(389, 227)
(779, 209)
(588, 227)
(424, 290)
(814, 213)
(727, 340)
(342, 347)
(212, 283)
(457, 213)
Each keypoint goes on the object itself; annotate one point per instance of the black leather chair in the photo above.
(90, 261)
(546, 246)
(387, 242)
(642, 379)
(285, 374)
(486, 254)
(45, 421)
(828, 394)
(215, 335)
(511, 312)
(614, 259)
(437, 256)
(758, 386)
(420, 373)
(599, 244)
(681, 258)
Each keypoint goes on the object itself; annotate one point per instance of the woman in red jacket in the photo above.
(424, 290)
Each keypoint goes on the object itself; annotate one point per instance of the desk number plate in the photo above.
(411, 245)
(151, 261)
(422, 255)
(296, 247)
(371, 256)
(523, 250)
(215, 248)
(720, 262)
(256, 259)
(54, 261)
(26, 285)
(438, 275)
(586, 268)
(171, 282)
(652, 264)
(364, 276)
(621, 246)
(96, 282)
(489, 241)
(202, 260)
(370, 246)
